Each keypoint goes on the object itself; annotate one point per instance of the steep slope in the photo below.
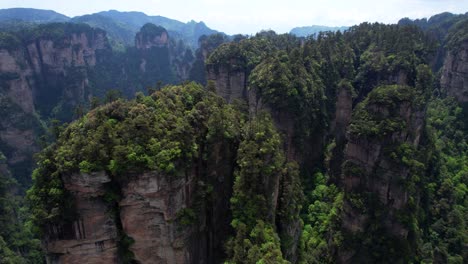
(54, 71)
(158, 189)
(44, 74)
(454, 78)
(343, 148)
(384, 161)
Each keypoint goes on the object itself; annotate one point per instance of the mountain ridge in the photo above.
(120, 25)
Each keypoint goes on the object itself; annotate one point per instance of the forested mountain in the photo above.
(345, 147)
(32, 15)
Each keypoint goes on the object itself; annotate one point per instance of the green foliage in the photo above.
(243, 55)
(7, 255)
(163, 132)
(291, 199)
(186, 217)
(260, 245)
(17, 242)
(9, 41)
(48, 200)
(385, 119)
(387, 54)
(126, 255)
(444, 201)
(458, 35)
(379, 114)
(260, 162)
(384, 68)
(149, 31)
(13, 116)
(321, 222)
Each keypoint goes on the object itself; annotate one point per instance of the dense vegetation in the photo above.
(17, 241)
(304, 189)
(384, 68)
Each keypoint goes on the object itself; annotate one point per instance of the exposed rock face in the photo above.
(376, 176)
(16, 97)
(344, 108)
(43, 64)
(230, 84)
(148, 213)
(35, 78)
(151, 212)
(60, 67)
(455, 73)
(17, 87)
(339, 125)
(148, 40)
(92, 238)
(78, 49)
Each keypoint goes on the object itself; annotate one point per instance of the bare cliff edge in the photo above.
(454, 78)
(378, 155)
(382, 160)
(164, 216)
(148, 213)
(36, 75)
(54, 70)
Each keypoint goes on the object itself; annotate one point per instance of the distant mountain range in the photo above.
(32, 15)
(120, 26)
(311, 30)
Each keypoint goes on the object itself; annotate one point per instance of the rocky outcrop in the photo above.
(170, 219)
(42, 75)
(454, 79)
(41, 70)
(151, 36)
(230, 84)
(77, 49)
(338, 128)
(148, 213)
(61, 68)
(377, 173)
(92, 238)
(16, 97)
(16, 75)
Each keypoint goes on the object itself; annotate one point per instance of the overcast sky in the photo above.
(250, 16)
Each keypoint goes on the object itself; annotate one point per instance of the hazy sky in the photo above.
(250, 16)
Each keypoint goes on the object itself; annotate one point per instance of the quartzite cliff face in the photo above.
(169, 218)
(377, 172)
(37, 75)
(55, 75)
(454, 78)
(378, 142)
(92, 237)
